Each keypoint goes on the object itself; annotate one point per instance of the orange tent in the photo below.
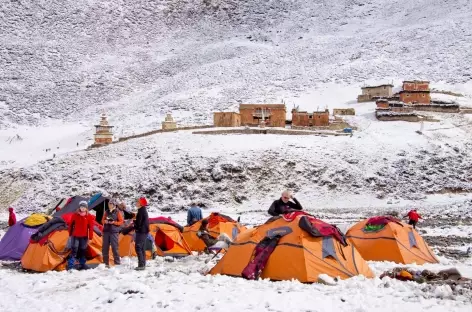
(51, 254)
(217, 224)
(167, 237)
(302, 252)
(389, 239)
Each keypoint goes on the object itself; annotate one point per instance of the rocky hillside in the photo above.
(174, 169)
(67, 59)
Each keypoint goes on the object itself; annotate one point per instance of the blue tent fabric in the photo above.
(412, 239)
(94, 198)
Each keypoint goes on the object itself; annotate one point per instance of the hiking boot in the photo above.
(71, 264)
(154, 255)
(140, 268)
(84, 267)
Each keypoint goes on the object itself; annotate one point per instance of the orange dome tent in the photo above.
(304, 248)
(167, 237)
(217, 224)
(47, 248)
(389, 239)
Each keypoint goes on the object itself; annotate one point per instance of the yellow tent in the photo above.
(167, 238)
(217, 224)
(389, 239)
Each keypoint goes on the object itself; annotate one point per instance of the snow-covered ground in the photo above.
(182, 285)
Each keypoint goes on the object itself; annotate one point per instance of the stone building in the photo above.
(103, 131)
(369, 92)
(226, 119)
(416, 92)
(274, 115)
(344, 111)
(305, 119)
(169, 123)
(415, 85)
(382, 104)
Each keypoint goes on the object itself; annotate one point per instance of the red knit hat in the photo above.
(143, 201)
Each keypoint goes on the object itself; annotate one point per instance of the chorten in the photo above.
(169, 123)
(103, 132)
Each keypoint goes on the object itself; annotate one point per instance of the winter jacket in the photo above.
(194, 214)
(279, 207)
(116, 216)
(141, 224)
(413, 215)
(81, 226)
(11, 217)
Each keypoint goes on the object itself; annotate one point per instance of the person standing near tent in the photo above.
(194, 214)
(284, 205)
(413, 217)
(112, 221)
(80, 232)
(141, 227)
(11, 217)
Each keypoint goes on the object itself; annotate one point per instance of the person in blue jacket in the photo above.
(194, 214)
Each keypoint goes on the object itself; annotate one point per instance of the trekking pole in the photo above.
(216, 254)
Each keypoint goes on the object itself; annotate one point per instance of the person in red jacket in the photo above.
(11, 217)
(80, 232)
(413, 217)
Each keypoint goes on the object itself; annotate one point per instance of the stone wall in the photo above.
(122, 139)
(437, 108)
(410, 118)
(415, 97)
(267, 131)
(344, 111)
(226, 119)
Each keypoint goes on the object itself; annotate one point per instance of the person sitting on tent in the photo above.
(284, 205)
(80, 232)
(413, 217)
(112, 221)
(194, 214)
(141, 227)
(205, 236)
(11, 217)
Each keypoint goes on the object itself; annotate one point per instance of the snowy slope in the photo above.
(70, 59)
(384, 162)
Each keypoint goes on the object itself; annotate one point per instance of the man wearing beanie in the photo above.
(80, 232)
(112, 221)
(141, 227)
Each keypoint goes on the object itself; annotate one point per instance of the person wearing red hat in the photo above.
(11, 217)
(141, 227)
